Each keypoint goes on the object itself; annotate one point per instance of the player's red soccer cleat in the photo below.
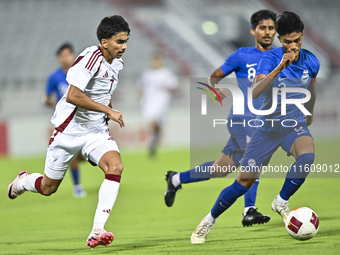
(99, 237)
(12, 190)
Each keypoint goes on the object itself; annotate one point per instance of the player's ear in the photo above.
(279, 38)
(252, 31)
(104, 43)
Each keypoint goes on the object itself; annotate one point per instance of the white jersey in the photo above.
(156, 85)
(93, 75)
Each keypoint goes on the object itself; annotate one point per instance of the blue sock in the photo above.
(75, 175)
(250, 195)
(194, 176)
(295, 178)
(227, 197)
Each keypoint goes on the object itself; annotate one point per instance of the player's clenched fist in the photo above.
(287, 59)
(116, 116)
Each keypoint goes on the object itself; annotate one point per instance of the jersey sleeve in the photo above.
(50, 85)
(266, 65)
(316, 67)
(83, 69)
(231, 64)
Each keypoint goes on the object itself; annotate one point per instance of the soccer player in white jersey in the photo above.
(156, 86)
(81, 125)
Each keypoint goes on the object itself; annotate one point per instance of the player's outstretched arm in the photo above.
(262, 82)
(76, 97)
(310, 104)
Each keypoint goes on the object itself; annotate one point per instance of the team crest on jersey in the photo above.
(251, 162)
(305, 77)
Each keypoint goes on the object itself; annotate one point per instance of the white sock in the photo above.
(28, 183)
(247, 208)
(175, 180)
(210, 219)
(106, 198)
(280, 200)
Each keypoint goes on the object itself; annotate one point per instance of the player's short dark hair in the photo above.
(111, 25)
(261, 15)
(64, 46)
(289, 22)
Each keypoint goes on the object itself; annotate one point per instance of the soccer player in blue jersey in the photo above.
(55, 89)
(243, 62)
(286, 67)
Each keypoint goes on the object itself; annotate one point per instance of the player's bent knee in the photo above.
(246, 182)
(116, 168)
(219, 174)
(306, 158)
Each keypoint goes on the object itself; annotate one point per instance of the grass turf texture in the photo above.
(142, 224)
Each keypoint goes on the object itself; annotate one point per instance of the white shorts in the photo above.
(64, 148)
(154, 112)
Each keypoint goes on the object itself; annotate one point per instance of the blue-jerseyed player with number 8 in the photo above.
(244, 63)
(291, 67)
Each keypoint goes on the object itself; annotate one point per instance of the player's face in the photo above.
(66, 58)
(117, 44)
(264, 33)
(156, 62)
(292, 42)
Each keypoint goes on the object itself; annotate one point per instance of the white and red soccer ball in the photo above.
(302, 223)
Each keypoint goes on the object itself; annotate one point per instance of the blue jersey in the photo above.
(298, 75)
(57, 84)
(244, 62)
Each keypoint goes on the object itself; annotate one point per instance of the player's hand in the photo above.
(116, 116)
(287, 59)
(222, 93)
(309, 119)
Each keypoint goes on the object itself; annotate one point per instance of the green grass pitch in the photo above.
(142, 224)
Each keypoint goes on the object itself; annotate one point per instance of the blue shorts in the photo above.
(239, 137)
(264, 143)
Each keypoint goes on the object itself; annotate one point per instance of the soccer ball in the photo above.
(302, 223)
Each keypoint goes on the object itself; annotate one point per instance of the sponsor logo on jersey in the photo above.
(281, 79)
(250, 65)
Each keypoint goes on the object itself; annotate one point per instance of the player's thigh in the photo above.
(223, 165)
(298, 141)
(260, 149)
(302, 145)
(102, 150)
(60, 153)
(258, 153)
